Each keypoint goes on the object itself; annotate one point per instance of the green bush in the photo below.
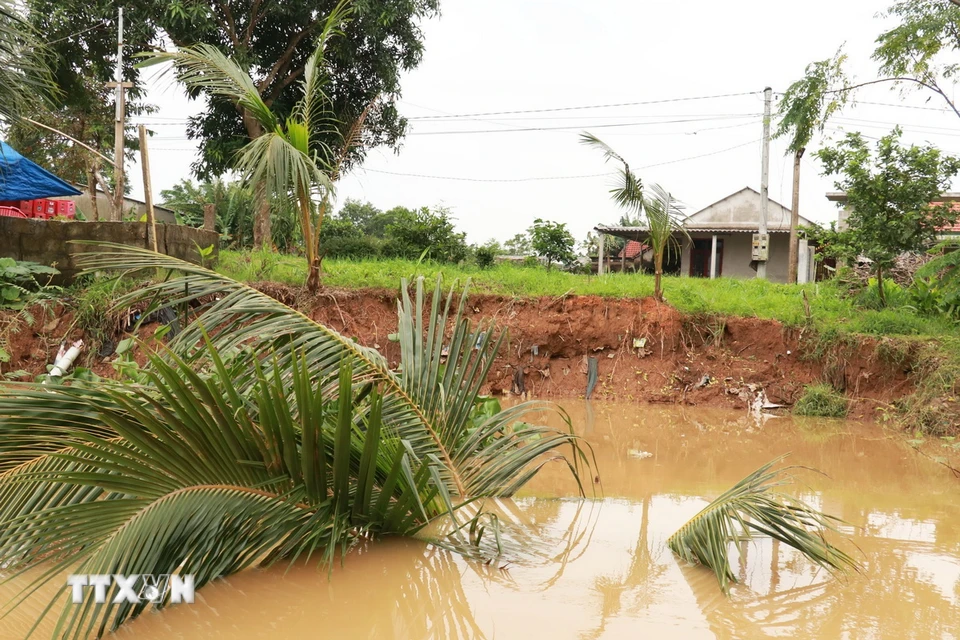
(19, 280)
(821, 401)
(485, 257)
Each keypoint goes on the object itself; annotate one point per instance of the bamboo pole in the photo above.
(147, 192)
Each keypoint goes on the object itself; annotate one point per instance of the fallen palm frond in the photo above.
(754, 505)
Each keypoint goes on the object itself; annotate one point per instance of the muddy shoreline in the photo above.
(646, 351)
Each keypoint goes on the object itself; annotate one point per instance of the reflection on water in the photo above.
(608, 573)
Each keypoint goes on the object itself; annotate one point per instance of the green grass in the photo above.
(821, 401)
(831, 310)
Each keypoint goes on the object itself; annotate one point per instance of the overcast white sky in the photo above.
(512, 55)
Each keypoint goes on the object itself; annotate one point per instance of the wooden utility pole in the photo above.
(118, 125)
(765, 182)
(795, 220)
(147, 191)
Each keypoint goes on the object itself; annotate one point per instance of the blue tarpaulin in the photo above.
(21, 179)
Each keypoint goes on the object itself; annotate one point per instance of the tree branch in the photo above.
(280, 86)
(283, 61)
(255, 16)
(230, 24)
(932, 87)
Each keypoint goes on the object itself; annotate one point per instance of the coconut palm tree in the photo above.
(288, 160)
(662, 212)
(257, 436)
(24, 75)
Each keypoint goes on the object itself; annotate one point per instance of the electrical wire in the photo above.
(572, 127)
(579, 108)
(78, 33)
(459, 179)
(579, 177)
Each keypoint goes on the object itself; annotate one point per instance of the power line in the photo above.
(702, 155)
(594, 106)
(459, 179)
(78, 33)
(572, 127)
(535, 179)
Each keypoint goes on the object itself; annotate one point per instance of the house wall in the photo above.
(741, 209)
(48, 241)
(737, 249)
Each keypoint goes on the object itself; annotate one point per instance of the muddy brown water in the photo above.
(603, 569)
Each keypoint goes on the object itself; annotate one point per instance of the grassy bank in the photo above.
(831, 309)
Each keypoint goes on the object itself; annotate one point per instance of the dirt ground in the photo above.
(646, 351)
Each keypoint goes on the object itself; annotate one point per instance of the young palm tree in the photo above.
(258, 436)
(285, 158)
(662, 212)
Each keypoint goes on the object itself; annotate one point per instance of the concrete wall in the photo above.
(131, 208)
(48, 241)
(737, 249)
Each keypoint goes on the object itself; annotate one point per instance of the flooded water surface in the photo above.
(607, 572)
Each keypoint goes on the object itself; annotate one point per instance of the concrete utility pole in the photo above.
(764, 185)
(119, 85)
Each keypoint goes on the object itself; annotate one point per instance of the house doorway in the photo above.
(700, 258)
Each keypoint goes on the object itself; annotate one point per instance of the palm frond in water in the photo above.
(754, 505)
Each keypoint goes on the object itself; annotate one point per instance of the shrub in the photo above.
(485, 257)
(18, 280)
(821, 401)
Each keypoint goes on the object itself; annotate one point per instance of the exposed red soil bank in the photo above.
(646, 351)
(678, 355)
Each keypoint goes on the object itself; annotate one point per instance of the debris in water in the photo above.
(636, 453)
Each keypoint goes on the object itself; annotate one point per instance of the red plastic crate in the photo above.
(66, 209)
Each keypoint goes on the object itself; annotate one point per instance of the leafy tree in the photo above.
(424, 232)
(889, 196)
(82, 53)
(23, 70)
(272, 42)
(661, 211)
(363, 215)
(282, 159)
(922, 49)
(804, 110)
(519, 245)
(552, 241)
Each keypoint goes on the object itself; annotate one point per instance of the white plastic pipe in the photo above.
(65, 360)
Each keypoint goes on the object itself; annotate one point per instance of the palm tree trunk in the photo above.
(795, 220)
(880, 292)
(313, 269)
(658, 274)
(321, 214)
(262, 237)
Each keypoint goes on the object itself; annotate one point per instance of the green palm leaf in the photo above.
(753, 505)
(427, 405)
